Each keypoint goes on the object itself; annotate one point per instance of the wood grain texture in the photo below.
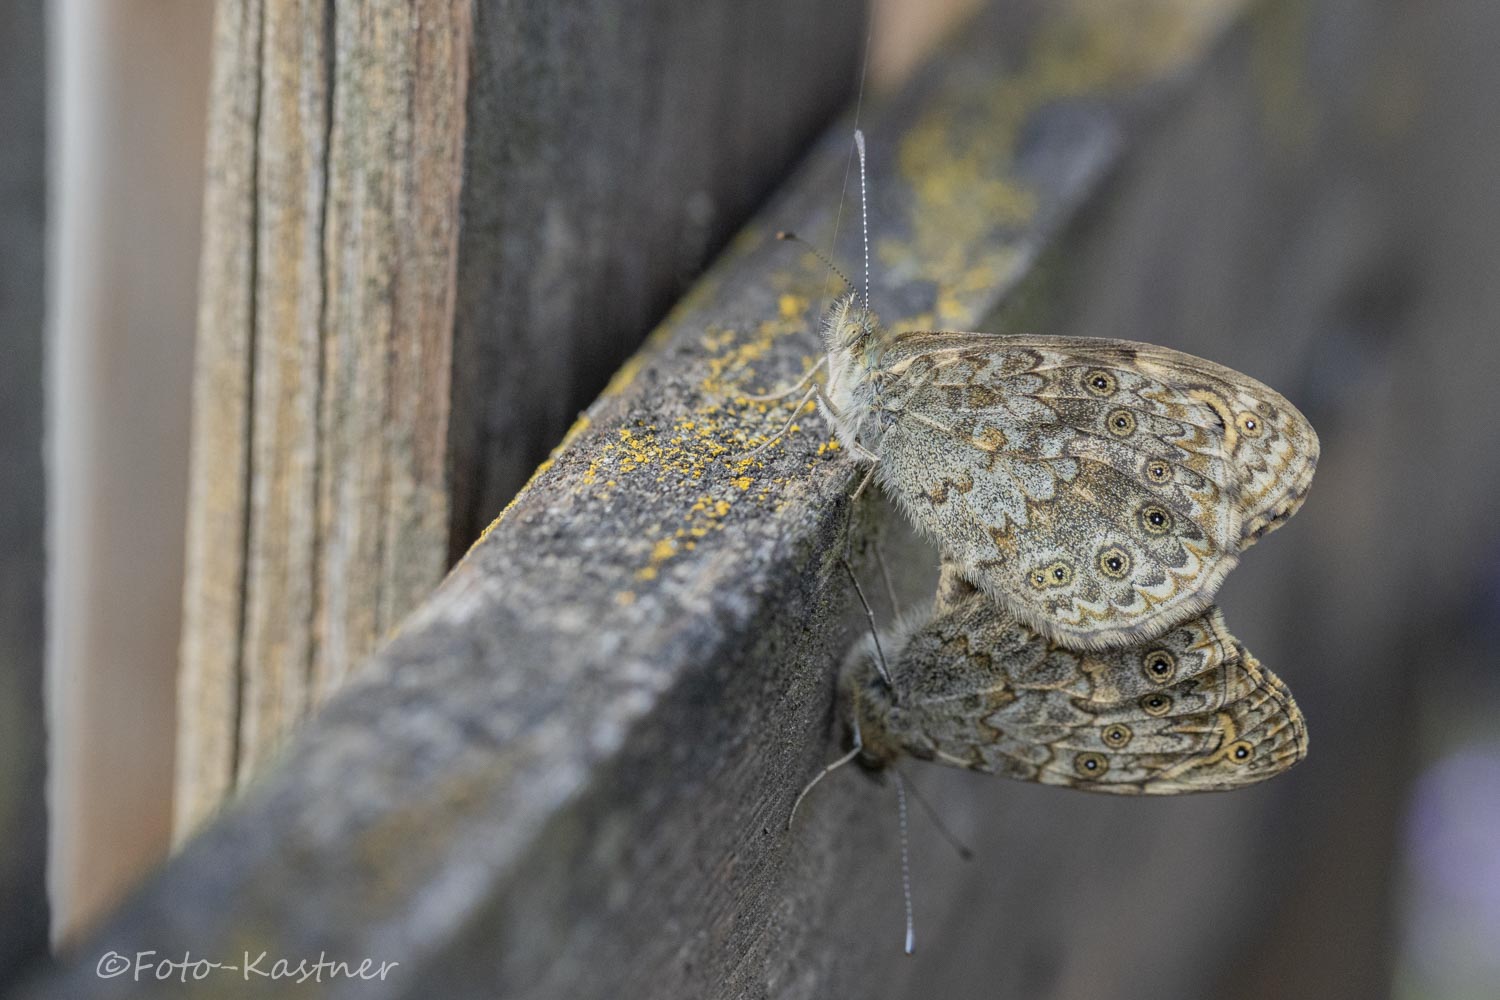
(287, 341)
(218, 500)
(568, 775)
(23, 495)
(319, 488)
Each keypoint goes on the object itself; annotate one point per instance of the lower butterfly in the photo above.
(1188, 711)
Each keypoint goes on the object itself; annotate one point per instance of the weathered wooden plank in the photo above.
(23, 574)
(319, 467)
(393, 221)
(285, 382)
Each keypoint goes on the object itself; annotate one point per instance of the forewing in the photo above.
(1098, 489)
(1271, 448)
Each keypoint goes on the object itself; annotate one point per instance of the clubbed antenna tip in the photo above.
(791, 237)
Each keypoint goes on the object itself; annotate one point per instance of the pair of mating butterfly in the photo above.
(1089, 496)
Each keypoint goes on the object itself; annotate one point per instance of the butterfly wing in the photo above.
(1189, 711)
(1098, 489)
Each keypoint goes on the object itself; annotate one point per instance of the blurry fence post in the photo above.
(23, 813)
(569, 772)
(431, 232)
(126, 110)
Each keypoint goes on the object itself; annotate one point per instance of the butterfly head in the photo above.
(848, 325)
(869, 708)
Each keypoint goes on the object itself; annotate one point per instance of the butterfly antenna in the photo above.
(791, 237)
(885, 673)
(911, 934)
(952, 838)
(829, 769)
(864, 209)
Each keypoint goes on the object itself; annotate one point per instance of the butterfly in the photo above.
(1098, 490)
(1190, 710)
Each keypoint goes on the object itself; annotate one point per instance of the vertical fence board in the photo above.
(286, 344)
(218, 501)
(398, 132)
(23, 813)
(319, 508)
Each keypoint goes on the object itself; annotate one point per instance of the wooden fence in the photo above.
(568, 772)
(431, 232)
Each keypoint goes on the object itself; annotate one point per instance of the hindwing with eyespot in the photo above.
(975, 688)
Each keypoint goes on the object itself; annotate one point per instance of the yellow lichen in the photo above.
(579, 426)
(959, 158)
(959, 163)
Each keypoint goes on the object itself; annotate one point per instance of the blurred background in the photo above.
(1380, 605)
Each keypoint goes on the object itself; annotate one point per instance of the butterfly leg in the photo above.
(963, 850)
(774, 396)
(859, 744)
(854, 752)
(885, 673)
(796, 410)
(855, 448)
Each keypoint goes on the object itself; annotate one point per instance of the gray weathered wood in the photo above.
(611, 150)
(568, 774)
(318, 503)
(23, 815)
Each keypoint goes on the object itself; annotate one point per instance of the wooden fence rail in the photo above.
(569, 773)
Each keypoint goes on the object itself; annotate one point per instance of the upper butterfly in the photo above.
(1099, 490)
